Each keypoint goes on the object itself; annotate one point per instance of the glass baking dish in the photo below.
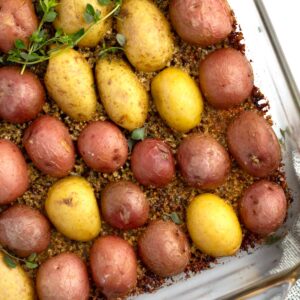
(268, 271)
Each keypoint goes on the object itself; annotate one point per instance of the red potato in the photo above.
(50, 147)
(24, 230)
(263, 207)
(254, 145)
(17, 21)
(124, 205)
(201, 22)
(164, 248)
(21, 96)
(14, 176)
(203, 162)
(152, 163)
(103, 146)
(63, 277)
(114, 266)
(226, 78)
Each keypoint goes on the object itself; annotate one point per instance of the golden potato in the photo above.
(177, 98)
(213, 226)
(72, 208)
(123, 96)
(70, 20)
(70, 82)
(149, 43)
(14, 283)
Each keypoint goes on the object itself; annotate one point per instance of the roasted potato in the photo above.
(124, 205)
(203, 162)
(15, 284)
(123, 96)
(24, 230)
(164, 248)
(103, 146)
(180, 106)
(50, 147)
(253, 143)
(201, 22)
(213, 226)
(14, 176)
(70, 83)
(18, 22)
(226, 78)
(263, 207)
(72, 208)
(114, 266)
(149, 45)
(63, 277)
(70, 19)
(152, 163)
(22, 96)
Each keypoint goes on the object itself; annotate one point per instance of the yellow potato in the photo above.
(70, 20)
(72, 208)
(70, 82)
(123, 96)
(178, 99)
(149, 43)
(213, 226)
(14, 283)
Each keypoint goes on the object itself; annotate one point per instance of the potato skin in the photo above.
(253, 143)
(201, 22)
(103, 146)
(149, 43)
(72, 207)
(114, 266)
(123, 96)
(226, 78)
(152, 163)
(14, 174)
(50, 147)
(63, 277)
(70, 83)
(164, 248)
(213, 226)
(180, 106)
(70, 20)
(203, 162)
(22, 96)
(263, 207)
(15, 284)
(18, 21)
(24, 230)
(124, 205)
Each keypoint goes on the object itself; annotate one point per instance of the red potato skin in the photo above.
(203, 162)
(201, 22)
(152, 163)
(226, 78)
(164, 248)
(21, 96)
(263, 207)
(103, 147)
(24, 230)
(50, 147)
(14, 175)
(124, 205)
(254, 145)
(18, 21)
(114, 266)
(63, 277)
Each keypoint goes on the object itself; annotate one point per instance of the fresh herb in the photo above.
(138, 134)
(131, 144)
(104, 2)
(174, 217)
(9, 262)
(121, 39)
(91, 15)
(272, 239)
(104, 51)
(32, 257)
(31, 265)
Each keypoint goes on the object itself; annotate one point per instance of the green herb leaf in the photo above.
(175, 218)
(1, 60)
(104, 2)
(31, 265)
(272, 239)
(50, 16)
(89, 14)
(19, 44)
(138, 134)
(131, 144)
(121, 39)
(9, 262)
(32, 257)
(77, 35)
